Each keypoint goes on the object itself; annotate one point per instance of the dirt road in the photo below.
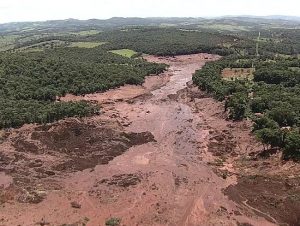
(160, 169)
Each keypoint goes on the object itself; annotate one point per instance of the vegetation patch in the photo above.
(237, 73)
(85, 33)
(114, 221)
(7, 41)
(43, 46)
(225, 27)
(124, 52)
(86, 44)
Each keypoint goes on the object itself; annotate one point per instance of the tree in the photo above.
(258, 105)
(283, 116)
(265, 122)
(292, 146)
(272, 137)
(237, 105)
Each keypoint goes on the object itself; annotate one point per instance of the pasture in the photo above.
(86, 44)
(231, 74)
(124, 52)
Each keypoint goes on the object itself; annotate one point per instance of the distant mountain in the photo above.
(295, 18)
(70, 25)
(74, 24)
(271, 17)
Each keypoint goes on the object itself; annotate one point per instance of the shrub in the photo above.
(292, 146)
(114, 221)
(272, 137)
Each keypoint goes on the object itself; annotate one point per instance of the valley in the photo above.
(166, 157)
(150, 121)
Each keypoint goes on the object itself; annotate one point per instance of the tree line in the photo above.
(272, 99)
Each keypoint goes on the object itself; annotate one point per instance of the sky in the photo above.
(39, 10)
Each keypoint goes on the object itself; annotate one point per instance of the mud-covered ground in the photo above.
(158, 154)
(264, 184)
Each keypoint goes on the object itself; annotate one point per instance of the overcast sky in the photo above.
(36, 10)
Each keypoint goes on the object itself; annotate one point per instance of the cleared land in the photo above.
(238, 73)
(7, 42)
(85, 33)
(224, 27)
(86, 44)
(124, 52)
(43, 45)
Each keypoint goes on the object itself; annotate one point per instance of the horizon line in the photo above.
(163, 17)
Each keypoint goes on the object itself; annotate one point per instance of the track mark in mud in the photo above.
(122, 180)
(274, 198)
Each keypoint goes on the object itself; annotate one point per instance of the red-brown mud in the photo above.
(159, 154)
(265, 185)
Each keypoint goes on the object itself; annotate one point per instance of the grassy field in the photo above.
(124, 52)
(85, 33)
(86, 44)
(7, 42)
(167, 25)
(237, 73)
(42, 46)
(224, 27)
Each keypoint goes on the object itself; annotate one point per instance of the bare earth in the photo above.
(159, 154)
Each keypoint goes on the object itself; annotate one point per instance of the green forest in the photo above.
(167, 41)
(31, 82)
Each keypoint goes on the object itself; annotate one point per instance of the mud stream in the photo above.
(164, 181)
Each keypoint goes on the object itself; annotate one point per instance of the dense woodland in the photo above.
(167, 41)
(276, 40)
(30, 82)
